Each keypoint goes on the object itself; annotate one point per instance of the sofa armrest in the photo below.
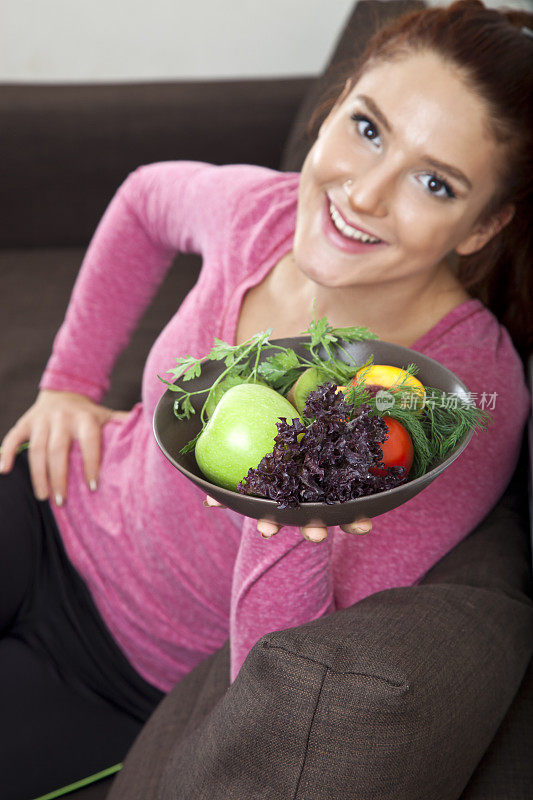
(398, 696)
(66, 149)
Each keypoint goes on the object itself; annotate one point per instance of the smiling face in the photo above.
(398, 177)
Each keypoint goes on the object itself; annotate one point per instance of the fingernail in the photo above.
(93, 486)
(2, 465)
(267, 529)
(363, 528)
(58, 499)
(315, 537)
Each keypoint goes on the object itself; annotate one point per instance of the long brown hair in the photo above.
(494, 50)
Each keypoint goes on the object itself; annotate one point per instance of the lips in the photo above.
(344, 236)
(349, 229)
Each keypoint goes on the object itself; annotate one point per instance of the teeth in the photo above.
(347, 230)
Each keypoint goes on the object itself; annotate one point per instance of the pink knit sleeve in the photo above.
(159, 210)
(286, 581)
(277, 584)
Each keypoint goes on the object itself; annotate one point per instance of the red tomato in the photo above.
(397, 448)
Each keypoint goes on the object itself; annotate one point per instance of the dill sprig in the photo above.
(435, 421)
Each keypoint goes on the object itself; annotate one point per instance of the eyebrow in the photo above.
(376, 111)
(433, 162)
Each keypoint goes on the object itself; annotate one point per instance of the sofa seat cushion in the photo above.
(41, 280)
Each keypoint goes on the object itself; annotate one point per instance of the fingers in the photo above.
(314, 533)
(210, 502)
(267, 528)
(55, 420)
(90, 441)
(361, 526)
(37, 456)
(311, 533)
(10, 444)
(58, 449)
(119, 416)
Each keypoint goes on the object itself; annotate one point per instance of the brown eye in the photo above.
(367, 129)
(437, 186)
(434, 185)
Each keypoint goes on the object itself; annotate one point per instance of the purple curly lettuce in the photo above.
(327, 462)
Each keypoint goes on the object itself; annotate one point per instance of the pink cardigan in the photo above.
(171, 579)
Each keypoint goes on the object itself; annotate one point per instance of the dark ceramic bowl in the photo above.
(172, 434)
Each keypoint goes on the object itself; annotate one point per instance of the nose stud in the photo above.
(348, 184)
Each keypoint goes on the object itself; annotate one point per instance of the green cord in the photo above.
(98, 776)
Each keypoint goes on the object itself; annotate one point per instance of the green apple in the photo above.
(222, 387)
(240, 432)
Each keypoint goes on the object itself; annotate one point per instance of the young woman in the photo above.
(415, 190)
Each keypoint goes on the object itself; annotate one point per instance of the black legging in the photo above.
(70, 703)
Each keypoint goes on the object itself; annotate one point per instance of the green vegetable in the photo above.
(435, 431)
(279, 370)
(240, 432)
(221, 388)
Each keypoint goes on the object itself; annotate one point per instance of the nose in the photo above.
(370, 191)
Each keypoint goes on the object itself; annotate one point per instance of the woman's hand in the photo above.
(50, 425)
(314, 533)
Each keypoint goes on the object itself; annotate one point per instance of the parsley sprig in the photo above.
(279, 370)
(236, 360)
(283, 369)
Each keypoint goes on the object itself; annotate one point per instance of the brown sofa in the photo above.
(413, 693)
